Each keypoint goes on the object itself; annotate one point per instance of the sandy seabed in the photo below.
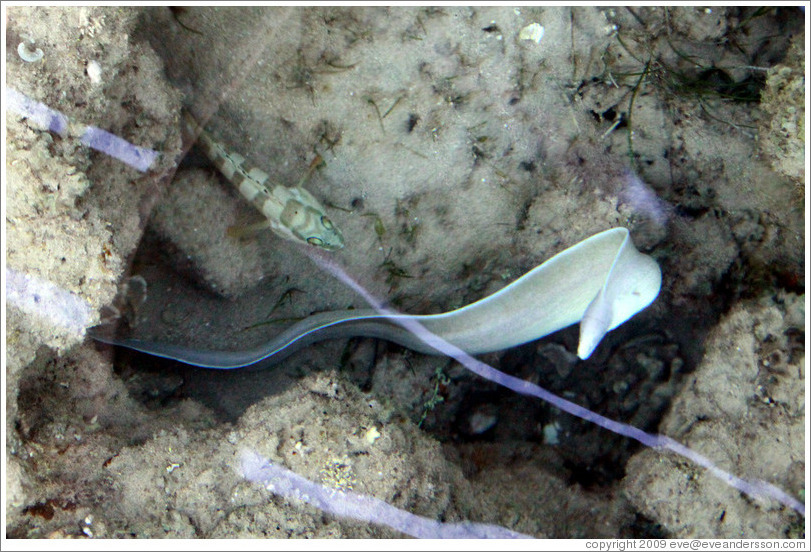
(460, 147)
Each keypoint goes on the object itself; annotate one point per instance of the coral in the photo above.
(737, 408)
(345, 503)
(494, 145)
(72, 215)
(782, 130)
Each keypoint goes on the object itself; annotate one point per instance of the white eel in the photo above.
(600, 282)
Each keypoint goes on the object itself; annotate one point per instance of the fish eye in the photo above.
(315, 241)
(326, 222)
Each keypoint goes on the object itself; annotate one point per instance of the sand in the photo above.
(460, 149)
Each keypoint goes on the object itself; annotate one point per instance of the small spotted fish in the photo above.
(291, 212)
